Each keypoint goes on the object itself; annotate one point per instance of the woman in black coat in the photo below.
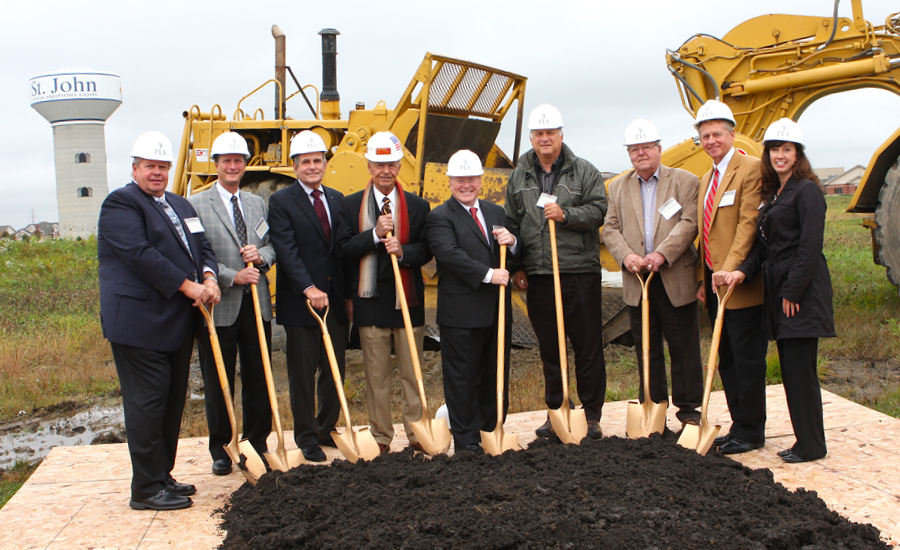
(798, 294)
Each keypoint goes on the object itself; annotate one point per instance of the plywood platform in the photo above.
(78, 497)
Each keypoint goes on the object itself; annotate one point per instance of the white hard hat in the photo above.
(641, 131)
(713, 110)
(230, 143)
(545, 117)
(307, 142)
(464, 163)
(153, 146)
(784, 130)
(384, 147)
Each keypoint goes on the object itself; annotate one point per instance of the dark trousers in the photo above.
(681, 328)
(241, 337)
(154, 386)
(742, 366)
(469, 366)
(309, 378)
(804, 397)
(582, 315)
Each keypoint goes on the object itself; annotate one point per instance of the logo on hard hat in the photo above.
(383, 151)
(640, 133)
(464, 165)
(544, 119)
(396, 143)
(161, 149)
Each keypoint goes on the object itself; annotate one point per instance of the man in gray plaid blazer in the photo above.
(235, 224)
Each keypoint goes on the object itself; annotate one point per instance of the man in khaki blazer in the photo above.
(651, 225)
(727, 207)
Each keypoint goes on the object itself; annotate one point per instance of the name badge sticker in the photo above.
(545, 199)
(194, 225)
(727, 198)
(670, 208)
(262, 228)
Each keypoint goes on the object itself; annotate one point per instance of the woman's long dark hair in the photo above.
(770, 181)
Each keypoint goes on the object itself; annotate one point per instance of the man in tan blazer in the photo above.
(727, 207)
(651, 225)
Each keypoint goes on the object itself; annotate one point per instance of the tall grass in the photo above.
(51, 346)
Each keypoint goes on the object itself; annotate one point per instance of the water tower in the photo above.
(77, 104)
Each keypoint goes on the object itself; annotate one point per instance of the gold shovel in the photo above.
(569, 424)
(282, 459)
(353, 445)
(242, 454)
(497, 442)
(648, 417)
(701, 437)
(433, 435)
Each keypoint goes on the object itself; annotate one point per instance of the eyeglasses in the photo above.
(645, 147)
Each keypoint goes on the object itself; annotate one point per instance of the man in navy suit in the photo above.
(465, 235)
(303, 222)
(155, 268)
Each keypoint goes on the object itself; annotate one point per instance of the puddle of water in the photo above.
(33, 440)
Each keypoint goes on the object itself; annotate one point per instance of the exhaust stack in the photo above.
(329, 99)
(279, 70)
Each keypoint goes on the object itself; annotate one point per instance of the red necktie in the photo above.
(474, 212)
(323, 215)
(707, 217)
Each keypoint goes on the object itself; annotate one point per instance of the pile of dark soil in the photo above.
(613, 493)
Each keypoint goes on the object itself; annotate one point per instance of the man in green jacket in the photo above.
(571, 192)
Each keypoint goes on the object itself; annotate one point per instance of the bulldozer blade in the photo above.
(645, 418)
(497, 442)
(356, 445)
(699, 438)
(570, 425)
(433, 435)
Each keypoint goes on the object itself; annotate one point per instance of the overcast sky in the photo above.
(601, 62)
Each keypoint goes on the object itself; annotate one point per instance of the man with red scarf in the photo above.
(362, 242)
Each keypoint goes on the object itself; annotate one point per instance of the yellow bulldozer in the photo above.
(775, 66)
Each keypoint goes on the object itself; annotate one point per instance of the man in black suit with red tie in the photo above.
(155, 268)
(303, 223)
(465, 235)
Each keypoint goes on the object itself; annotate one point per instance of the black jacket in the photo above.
(381, 311)
(788, 250)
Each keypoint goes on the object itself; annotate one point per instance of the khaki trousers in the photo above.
(376, 348)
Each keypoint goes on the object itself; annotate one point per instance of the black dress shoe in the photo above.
(735, 446)
(327, 441)
(180, 489)
(163, 500)
(793, 458)
(313, 453)
(784, 452)
(722, 439)
(221, 466)
(546, 429)
(594, 431)
(473, 448)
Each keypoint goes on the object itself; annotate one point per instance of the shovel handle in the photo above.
(645, 332)
(714, 350)
(560, 324)
(220, 369)
(501, 342)
(267, 371)
(332, 360)
(410, 334)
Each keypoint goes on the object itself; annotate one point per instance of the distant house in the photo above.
(42, 230)
(846, 183)
(7, 231)
(828, 174)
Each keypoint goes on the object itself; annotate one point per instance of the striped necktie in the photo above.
(176, 222)
(707, 217)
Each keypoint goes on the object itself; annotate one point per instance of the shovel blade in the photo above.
(700, 438)
(247, 460)
(570, 425)
(294, 458)
(275, 462)
(645, 419)
(497, 442)
(433, 435)
(356, 445)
